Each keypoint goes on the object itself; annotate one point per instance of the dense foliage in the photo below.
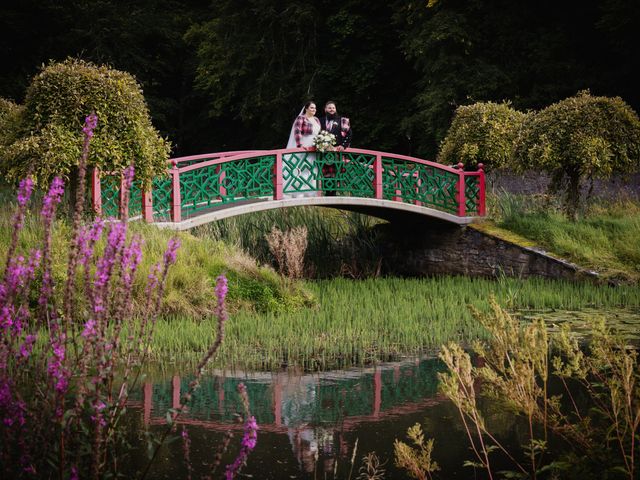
(48, 136)
(397, 69)
(484, 133)
(580, 138)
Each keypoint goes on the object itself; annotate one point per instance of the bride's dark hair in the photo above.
(306, 105)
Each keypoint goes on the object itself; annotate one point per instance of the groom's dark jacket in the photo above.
(340, 127)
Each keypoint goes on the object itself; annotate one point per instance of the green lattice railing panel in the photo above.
(353, 173)
(299, 172)
(161, 197)
(110, 195)
(248, 178)
(200, 189)
(203, 188)
(135, 199)
(415, 182)
(472, 194)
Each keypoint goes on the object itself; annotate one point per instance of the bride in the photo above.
(305, 127)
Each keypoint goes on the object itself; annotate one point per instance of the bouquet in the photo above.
(324, 141)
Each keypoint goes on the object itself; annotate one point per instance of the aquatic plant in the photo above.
(416, 459)
(597, 426)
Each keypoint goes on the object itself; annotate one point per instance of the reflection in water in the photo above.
(319, 416)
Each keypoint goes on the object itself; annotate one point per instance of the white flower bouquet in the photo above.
(324, 141)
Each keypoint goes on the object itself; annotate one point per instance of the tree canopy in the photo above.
(46, 135)
(233, 73)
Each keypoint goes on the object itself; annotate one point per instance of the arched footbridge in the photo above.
(204, 188)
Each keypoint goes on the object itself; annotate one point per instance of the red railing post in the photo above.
(418, 185)
(377, 176)
(176, 199)
(175, 390)
(277, 177)
(482, 194)
(96, 192)
(223, 174)
(462, 207)
(147, 205)
(123, 187)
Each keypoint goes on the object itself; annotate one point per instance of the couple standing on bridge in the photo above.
(305, 128)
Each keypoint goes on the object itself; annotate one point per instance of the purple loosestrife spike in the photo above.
(128, 176)
(52, 198)
(172, 249)
(24, 191)
(90, 124)
(27, 346)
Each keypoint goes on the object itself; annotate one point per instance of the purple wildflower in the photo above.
(115, 240)
(52, 198)
(24, 191)
(27, 346)
(170, 253)
(249, 441)
(131, 257)
(57, 372)
(89, 329)
(221, 293)
(90, 124)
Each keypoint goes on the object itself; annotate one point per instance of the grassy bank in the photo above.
(189, 289)
(606, 238)
(358, 322)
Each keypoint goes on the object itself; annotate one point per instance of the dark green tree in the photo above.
(45, 136)
(578, 139)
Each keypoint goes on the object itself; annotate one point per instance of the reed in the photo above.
(338, 241)
(362, 322)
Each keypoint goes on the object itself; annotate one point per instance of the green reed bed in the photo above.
(360, 322)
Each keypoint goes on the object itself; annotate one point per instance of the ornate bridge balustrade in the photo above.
(199, 184)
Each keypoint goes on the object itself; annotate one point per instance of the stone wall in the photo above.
(438, 248)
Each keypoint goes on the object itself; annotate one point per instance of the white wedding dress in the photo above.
(308, 175)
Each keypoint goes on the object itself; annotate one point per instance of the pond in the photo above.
(310, 422)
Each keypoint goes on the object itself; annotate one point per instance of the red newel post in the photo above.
(176, 199)
(147, 206)
(121, 194)
(96, 192)
(482, 194)
(377, 176)
(277, 177)
(462, 207)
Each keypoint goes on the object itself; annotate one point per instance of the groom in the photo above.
(341, 128)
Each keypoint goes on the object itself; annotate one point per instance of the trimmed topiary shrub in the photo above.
(578, 139)
(45, 135)
(484, 132)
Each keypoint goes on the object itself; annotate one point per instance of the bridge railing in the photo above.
(200, 183)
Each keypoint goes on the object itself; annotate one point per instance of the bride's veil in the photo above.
(292, 139)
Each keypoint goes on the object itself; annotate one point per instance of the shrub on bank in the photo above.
(484, 132)
(43, 137)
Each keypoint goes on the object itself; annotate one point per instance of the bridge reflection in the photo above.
(283, 399)
(314, 411)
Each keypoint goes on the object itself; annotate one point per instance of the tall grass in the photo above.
(338, 241)
(606, 238)
(359, 322)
